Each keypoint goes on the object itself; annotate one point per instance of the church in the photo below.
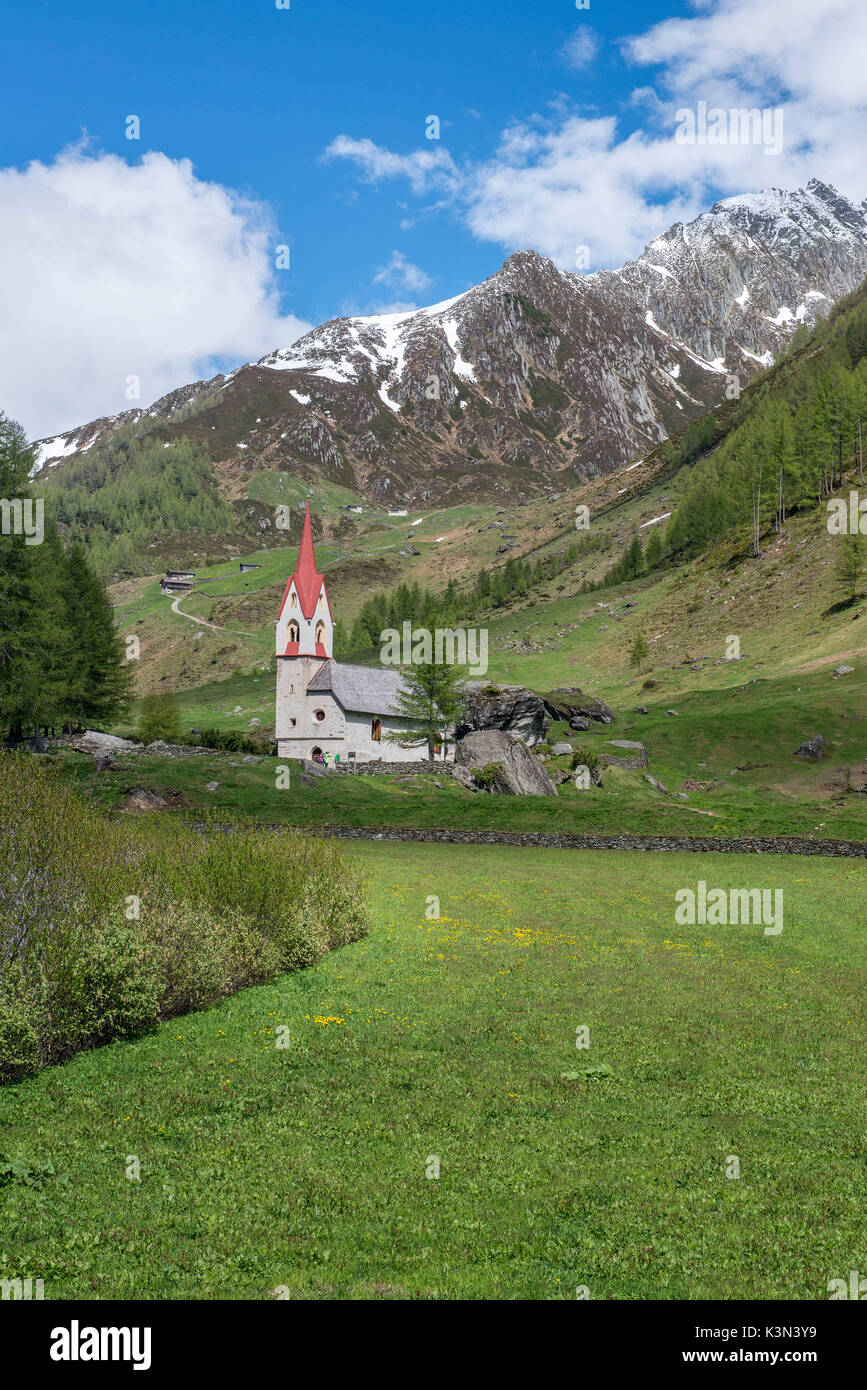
(328, 708)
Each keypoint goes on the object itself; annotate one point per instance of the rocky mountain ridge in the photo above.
(535, 378)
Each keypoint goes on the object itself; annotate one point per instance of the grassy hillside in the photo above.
(304, 1169)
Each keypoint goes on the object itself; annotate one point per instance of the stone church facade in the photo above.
(328, 707)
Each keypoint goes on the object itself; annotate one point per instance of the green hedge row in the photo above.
(106, 928)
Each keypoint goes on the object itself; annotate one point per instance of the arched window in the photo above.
(292, 632)
(376, 730)
(320, 632)
(293, 599)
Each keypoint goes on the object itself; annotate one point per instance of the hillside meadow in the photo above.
(449, 1046)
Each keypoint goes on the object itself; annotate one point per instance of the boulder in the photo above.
(463, 776)
(211, 786)
(520, 773)
(103, 761)
(143, 799)
(559, 749)
(580, 722)
(641, 709)
(509, 708)
(571, 703)
(93, 739)
(655, 783)
(671, 711)
(813, 748)
(251, 758)
(313, 769)
(843, 671)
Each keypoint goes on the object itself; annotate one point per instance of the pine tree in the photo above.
(850, 565)
(431, 702)
(653, 553)
(639, 651)
(99, 681)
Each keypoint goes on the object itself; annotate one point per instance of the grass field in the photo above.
(736, 744)
(305, 1168)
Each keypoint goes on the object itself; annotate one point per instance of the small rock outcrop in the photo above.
(143, 799)
(519, 772)
(571, 703)
(812, 749)
(509, 708)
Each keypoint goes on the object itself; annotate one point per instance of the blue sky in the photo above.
(308, 126)
(253, 95)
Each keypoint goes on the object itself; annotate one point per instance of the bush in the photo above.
(233, 741)
(215, 912)
(159, 718)
(486, 776)
(107, 985)
(583, 757)
(206, 957)
(20, 1025)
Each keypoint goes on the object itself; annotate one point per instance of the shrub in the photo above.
(486, 776)
(20, 1025)
(159, 718)
(206, 957)
(233, 741)
(107, 985)
(215, 912)
(583, 757)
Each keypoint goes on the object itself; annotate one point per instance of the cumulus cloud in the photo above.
(580, 48)
(401, 274)
(564, 180)
(110, 270)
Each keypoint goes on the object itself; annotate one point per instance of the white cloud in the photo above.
(402, 274)
(567, 180)
(110, 270)
(580, 48)
(424, 169)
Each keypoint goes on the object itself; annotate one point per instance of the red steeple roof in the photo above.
(308, 580)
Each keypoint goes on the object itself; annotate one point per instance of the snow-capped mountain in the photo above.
(536, 374)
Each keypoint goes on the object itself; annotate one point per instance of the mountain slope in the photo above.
(537, 377)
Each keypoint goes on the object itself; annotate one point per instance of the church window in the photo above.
(293, 600)
(319, 715)
(376, 730)
(320, 632)
(292, 632)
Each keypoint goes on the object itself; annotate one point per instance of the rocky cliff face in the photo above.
(538, 375)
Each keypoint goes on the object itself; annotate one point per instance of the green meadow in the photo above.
(449, 1046)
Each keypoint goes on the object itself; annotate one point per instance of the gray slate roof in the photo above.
(362, 689)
